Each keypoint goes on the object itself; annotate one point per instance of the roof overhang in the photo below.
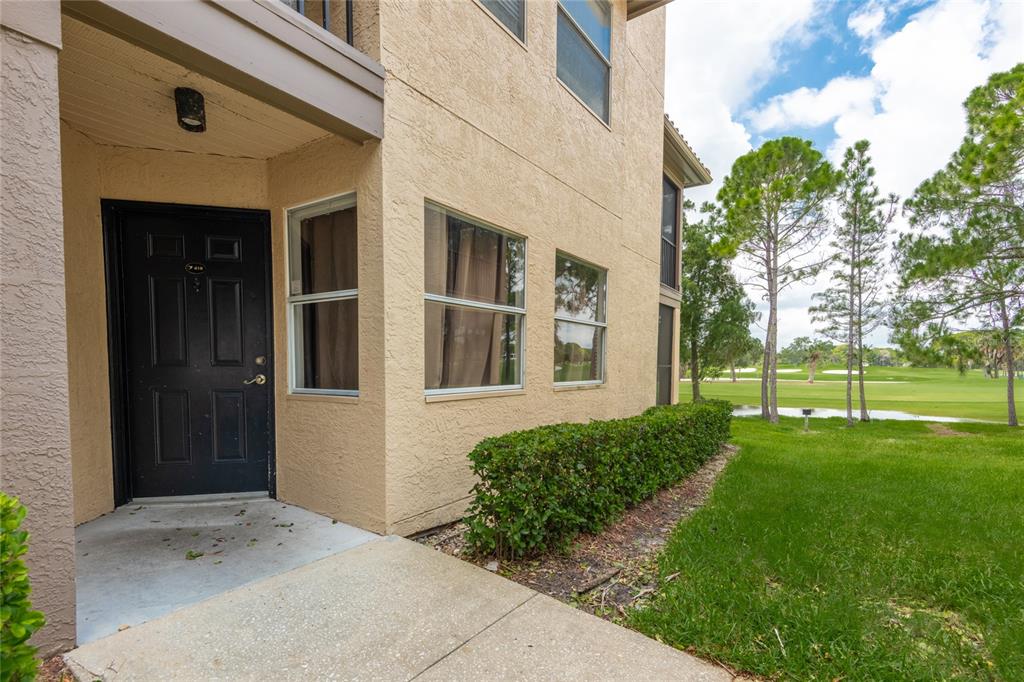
(635, 8)
(682, 160)
(260, 48)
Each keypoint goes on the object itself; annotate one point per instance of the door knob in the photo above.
(259, 380)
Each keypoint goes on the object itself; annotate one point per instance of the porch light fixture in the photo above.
(191, 109)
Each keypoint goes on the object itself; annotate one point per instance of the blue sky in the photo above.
(739, 72)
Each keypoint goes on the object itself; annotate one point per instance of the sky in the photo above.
(739, 72)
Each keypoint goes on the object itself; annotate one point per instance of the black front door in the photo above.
(196, 347)
(665, 315)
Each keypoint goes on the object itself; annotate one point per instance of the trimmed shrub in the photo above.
(539, 488)
(17, 619)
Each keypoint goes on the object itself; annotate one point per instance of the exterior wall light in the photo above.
(191, 109)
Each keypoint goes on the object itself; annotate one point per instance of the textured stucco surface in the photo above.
(506, 143)
(476, 121)
(35, 458)
(93, 172)
(330, 449)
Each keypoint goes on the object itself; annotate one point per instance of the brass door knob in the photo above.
(259, 380)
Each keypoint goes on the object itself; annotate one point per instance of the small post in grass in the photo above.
(807, 417)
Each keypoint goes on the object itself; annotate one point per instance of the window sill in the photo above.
(577, 387)
(472, 395)
(322, 397)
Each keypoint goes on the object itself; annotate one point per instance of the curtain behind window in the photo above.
(466, 347)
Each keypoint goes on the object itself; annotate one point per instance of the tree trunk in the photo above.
(864, 416)
(850, 339)
(769, 383)
(694, 369)
(813, 367)
(1011, 403)
(732, 370)
(765, 413)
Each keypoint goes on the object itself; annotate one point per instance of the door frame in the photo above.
(112, 212)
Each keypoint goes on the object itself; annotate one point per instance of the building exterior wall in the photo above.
(93, 172)
(35, 456)
(330, 448)
(477, 121)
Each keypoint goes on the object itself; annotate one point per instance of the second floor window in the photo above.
(475, 291)
(512, 13)
(669, 233)
(584, 51)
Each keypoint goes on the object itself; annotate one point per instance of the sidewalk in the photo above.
(389, 609)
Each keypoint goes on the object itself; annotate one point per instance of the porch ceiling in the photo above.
(120, 94)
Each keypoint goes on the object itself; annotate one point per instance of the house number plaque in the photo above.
(195, 268)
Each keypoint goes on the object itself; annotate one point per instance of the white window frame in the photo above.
(607, 60)
(477, 305)
(590, 323)
(294, 217)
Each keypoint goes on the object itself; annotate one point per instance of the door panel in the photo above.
(665, 316)
(195, 320)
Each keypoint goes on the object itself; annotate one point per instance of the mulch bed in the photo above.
(54, 669)
(606, 572)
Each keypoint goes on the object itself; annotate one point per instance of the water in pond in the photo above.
(820, 412)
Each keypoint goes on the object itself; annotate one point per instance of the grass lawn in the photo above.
(885, 551)
(932, 392)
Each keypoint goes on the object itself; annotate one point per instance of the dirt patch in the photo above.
(54, 669)
(606, 572)
(940, 429)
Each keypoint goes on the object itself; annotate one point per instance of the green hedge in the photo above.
(17, 619)
(539, 488)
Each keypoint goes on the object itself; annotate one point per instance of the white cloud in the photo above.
(809, 107)
(867, 22)
(909, 107)
(717, 55)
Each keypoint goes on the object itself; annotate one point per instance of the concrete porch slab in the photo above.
(132, 564)
(390, 609)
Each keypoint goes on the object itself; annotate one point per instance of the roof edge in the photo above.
(680, 157)
(636, 8)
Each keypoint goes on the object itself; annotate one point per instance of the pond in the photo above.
(823, 412)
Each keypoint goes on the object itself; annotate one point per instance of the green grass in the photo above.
(932, 392)
(879, 552)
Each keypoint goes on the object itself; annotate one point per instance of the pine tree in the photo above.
(854, 305)
(775, 206)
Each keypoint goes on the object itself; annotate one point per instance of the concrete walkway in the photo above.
(390, 609)
(132, 565)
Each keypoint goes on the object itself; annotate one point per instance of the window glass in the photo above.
(594, 17)
(669, 232)
(323, 297)
(580, 293)
(475, 296)
(467, 347)
(581, 68)
(579, 290)
(512, 13)
(579, 352)
(327, 345)
(468, 261)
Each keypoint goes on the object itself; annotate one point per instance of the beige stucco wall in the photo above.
(476, 121)
(35, 459)
(330, 448)
(507, 144)
(93, 172)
